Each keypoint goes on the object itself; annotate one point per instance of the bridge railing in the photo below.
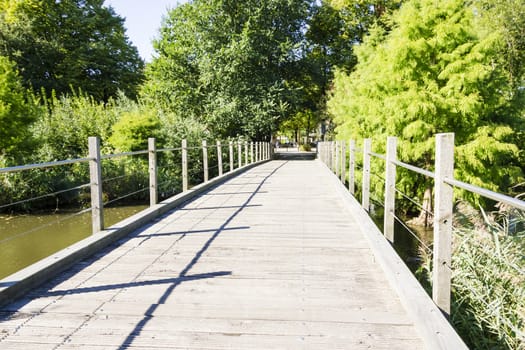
(334, 155)
(226, 157)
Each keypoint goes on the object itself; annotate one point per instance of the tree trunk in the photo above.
(425, 215)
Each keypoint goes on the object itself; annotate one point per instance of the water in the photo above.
(408, 247)
(25, 239)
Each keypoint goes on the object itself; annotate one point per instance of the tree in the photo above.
(335, 27)
(230, 64)
(507, 18)
(434, 72)
(58, 45)
(16, 112)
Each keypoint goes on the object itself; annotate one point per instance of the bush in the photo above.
(133, 129)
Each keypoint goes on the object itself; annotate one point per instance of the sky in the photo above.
(142, 20)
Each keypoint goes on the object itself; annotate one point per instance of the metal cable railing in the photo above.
(113, 176)
(52, 194)
(412, 233)
(444, 182)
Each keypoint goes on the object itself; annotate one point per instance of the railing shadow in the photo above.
(184, 273)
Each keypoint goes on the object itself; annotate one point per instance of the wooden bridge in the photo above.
(279, 256)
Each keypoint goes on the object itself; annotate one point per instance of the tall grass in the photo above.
(488, 281)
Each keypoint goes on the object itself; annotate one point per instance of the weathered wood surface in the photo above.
(271, 259)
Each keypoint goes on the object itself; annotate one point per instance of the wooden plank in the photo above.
(270, 263)
(434, 328)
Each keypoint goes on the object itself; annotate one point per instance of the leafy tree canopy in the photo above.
(230, 64)
(434, 72)
(60, 45)
(16, 113)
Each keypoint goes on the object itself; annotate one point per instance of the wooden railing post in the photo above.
(390, 188)
(332, 156)
(443, 211)
(219, 157)
(152, 162)
(343, 161)
(239, 153)
(231, 156)
(351, 168)
(329, 154)
(256, 151)
(246, 160)
(337, 158)
(95, 176)
(251, 153)
(205, 160)
(326, 154)
(184, 165)
(365, 198)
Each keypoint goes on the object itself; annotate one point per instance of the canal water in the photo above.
(407, 246)
(25, 239)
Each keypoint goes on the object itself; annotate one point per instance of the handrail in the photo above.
(415, 169)
(169, 149)
(333, 154)
(498, 197)
(247, 153)
(43, 165)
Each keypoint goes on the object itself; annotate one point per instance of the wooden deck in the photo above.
(271, 259)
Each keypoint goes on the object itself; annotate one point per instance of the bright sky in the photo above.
(143, 19)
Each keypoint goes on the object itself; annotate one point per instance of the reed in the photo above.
(488, 282)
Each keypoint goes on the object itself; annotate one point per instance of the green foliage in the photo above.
(434, 72)
(229, 64)
(76, 43)
(507, 18)
(62, 132)
(300, 125)
(348, 23)
(133, 129)
(16, 112)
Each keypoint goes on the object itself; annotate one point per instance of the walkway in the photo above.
(271, 259)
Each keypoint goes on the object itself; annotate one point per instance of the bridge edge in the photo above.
(435, 329)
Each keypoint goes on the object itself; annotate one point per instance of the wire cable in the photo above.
(377, 202)
(419, 206)
(116, 178)
(44, 196)
(125, 196)
(398, 219)
(378, 176)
